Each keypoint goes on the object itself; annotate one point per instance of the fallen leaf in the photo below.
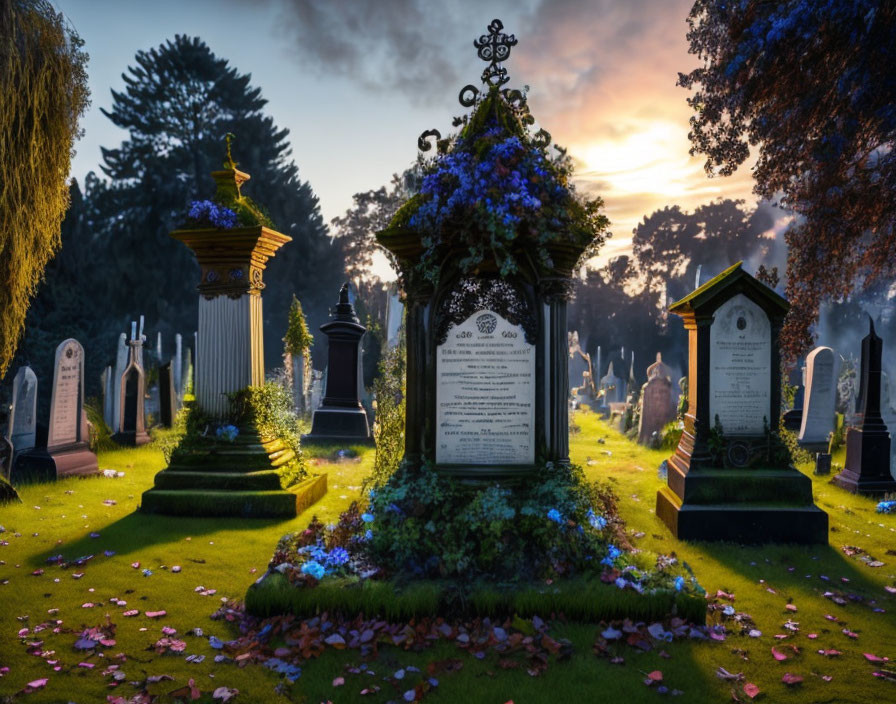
(751, 690)
(791, 680)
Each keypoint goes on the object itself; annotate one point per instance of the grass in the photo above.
(229, 554)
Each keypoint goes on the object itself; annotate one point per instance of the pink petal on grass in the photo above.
(339, 681)
(779, 656)
(874, 658)
(36, 684)
(655, 676)
(131, 612)
(751, 690)
(791, 680)
(156, 614)
(850, 634)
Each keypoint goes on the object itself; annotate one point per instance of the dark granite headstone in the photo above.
(867, 468)
(822, 463)
(133, 392)
(729, 479)
(340, 416)
(167, 395)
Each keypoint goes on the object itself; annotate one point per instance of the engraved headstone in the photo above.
(121, 362)
(66, 438)
(729, 479)
(820, 400)
(23, 411)
(485, 393)
(867, 469)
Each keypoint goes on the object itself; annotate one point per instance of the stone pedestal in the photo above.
(727, 480)
(340, 416)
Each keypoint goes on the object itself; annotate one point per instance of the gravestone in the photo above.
(658, 401)
(730, 479)
(341, 416)
(177, 370)
(394, 319)
(133, 391)
(158, 347)
(792, 419)
(867, 469)
(66, 438)
(167, 396)
(121, 362)
(108, 404)
(298, 382)
(317, 386)
(23, 410)
(820, 400)
(612, 388)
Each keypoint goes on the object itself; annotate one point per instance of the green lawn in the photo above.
(227, 555)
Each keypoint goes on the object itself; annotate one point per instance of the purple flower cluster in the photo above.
(497, 187)
(206, 212)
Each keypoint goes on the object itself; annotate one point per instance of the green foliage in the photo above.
(43, 81)
(8, 494)
(269, 409)
(101, 439)
(430, 525)
(794, 452)
(389, 427)
(298, 339)
(670, 435)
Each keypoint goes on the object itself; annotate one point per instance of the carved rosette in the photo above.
(232, 262)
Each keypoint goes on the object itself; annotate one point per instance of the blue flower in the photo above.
(679, 583)
(368, 535)
(367, 517)
(555, 516)
(208, 212)
(315, 569)
(886, 507)
(597, 522)
(612, 553)
(337, 556)
(227, 432)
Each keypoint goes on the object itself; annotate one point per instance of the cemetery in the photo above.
(531, 463)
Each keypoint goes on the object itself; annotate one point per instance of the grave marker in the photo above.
(66, 440)
(23, 410)
(820, 399)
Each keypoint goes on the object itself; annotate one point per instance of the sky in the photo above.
(356, 82)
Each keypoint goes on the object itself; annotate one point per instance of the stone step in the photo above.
(197, 503)
(223, 481)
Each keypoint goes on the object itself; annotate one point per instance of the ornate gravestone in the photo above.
(658, 400)
(23, 410)
(730, 478)
(867, 468)
(820, 400)
(340, 416)
(131, 421)
(167, 396)
(66, 440)
(241, 477)
(121, 362)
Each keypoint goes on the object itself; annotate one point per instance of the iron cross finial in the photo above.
(494, 47)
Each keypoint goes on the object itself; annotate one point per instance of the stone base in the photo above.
(742, 523)
(857, 484)
(33, 466)
(76, 460)
(331, 424)
(131, 438)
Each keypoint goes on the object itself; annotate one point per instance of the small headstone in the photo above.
(820, 401)
(657, 403)
(177, 369)
(23, 411)
(612, 388)
(121, 362)
(394, 319)
(822, 463)
(108, 402)
(867, 468)
(66, 436)
(167, 396)
(133, 392)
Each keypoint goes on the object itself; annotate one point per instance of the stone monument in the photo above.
(658, 401)
(612, 388)
(167, 396)
(867, 468)
(23, 411)
(106, 383)
(131, 422)
(820, 399)
(340, 416)
(731, 478)
(177, 370)
(121, 362)
(66, 440)
(239, 477)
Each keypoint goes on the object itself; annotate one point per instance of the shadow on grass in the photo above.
(138, 531)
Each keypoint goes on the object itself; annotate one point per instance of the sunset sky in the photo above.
(356, 83)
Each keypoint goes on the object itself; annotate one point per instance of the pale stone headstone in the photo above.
(820, 399)
(121, 362)
(177, 368)
(23, 412)
(394, 318)
(657, 407)
(159, 347)
(485, 364)
(740, 367)
(67, 435)
(613, 388)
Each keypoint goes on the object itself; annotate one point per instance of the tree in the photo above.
(810, 86)
(43, 81)
(179, 102)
